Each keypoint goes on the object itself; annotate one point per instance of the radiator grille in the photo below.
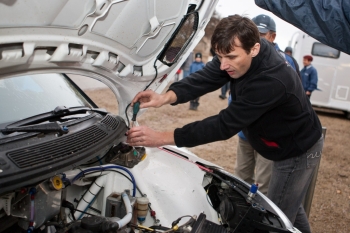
(57, 149)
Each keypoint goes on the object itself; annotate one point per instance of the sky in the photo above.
(284, 32)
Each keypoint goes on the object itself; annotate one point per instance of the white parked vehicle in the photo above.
(63, 164)
(333, 69)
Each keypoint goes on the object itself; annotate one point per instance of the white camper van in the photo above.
(333, 68)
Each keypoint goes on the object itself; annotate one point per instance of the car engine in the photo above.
(83, 182)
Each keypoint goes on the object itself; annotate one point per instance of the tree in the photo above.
(204, 45)
(213, 22)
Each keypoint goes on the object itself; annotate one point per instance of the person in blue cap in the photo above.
(267, 29)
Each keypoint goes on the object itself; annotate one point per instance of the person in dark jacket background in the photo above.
(308, 76)
(288, 50)
(268, 104)
(196, 65)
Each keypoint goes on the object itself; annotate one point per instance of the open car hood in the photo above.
(129, 45)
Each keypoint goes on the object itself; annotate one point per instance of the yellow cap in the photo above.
(143, 157)
(56, 182)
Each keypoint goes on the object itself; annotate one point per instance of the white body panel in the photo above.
(173, 186)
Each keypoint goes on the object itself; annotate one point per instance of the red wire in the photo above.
(200, 166)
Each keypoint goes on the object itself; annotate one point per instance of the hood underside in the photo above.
(326, 21)
(126, 44)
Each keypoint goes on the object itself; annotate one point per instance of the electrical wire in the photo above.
(80, 174)
(112, 168)
(235, 187)
(159, 228)
(175, 228)
(137, 188)
(70, 226)
(142, 227)
(97, 160)
(209, 201)
(84, 212)
(87, 207)
(127, 107)
(95, 210)
(223, 180)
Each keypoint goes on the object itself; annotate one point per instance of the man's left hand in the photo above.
(144, 136)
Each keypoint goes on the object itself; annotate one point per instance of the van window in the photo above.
(322, 50)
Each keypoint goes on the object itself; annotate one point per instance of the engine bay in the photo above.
(72, 172)
(101, 197)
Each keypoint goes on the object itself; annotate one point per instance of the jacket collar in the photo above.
(265, 48)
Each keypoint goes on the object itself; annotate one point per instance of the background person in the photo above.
(309, 76)
(196, 65)
(268, 103)
(288, 50)
(177, 75)
(186, 65)
(224, 90)
(267, 30)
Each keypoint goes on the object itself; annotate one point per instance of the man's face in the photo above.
(270, 36)
(198, 59)
(237, 62)
(306, 62)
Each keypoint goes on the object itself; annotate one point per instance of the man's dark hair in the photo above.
(231, 27)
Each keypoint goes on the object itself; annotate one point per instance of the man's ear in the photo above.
(255, 50)
(273, 36)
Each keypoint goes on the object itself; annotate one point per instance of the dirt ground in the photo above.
(330, 211)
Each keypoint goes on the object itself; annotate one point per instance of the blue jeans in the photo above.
(225, 88)
(186, 73)
(289, 182)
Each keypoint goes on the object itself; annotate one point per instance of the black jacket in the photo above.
(268, 104)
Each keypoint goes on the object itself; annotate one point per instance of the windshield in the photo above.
(29, 95)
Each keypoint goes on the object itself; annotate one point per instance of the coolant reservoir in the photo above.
(142, 208)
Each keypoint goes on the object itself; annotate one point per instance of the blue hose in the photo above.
(105, 169)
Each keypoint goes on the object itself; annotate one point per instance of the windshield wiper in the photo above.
(42, 128)
(58, 112)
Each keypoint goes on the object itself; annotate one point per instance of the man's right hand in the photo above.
(149, 98)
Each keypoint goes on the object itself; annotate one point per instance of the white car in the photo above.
(64, 166)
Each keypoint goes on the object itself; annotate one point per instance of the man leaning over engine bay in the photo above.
(268, 103)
